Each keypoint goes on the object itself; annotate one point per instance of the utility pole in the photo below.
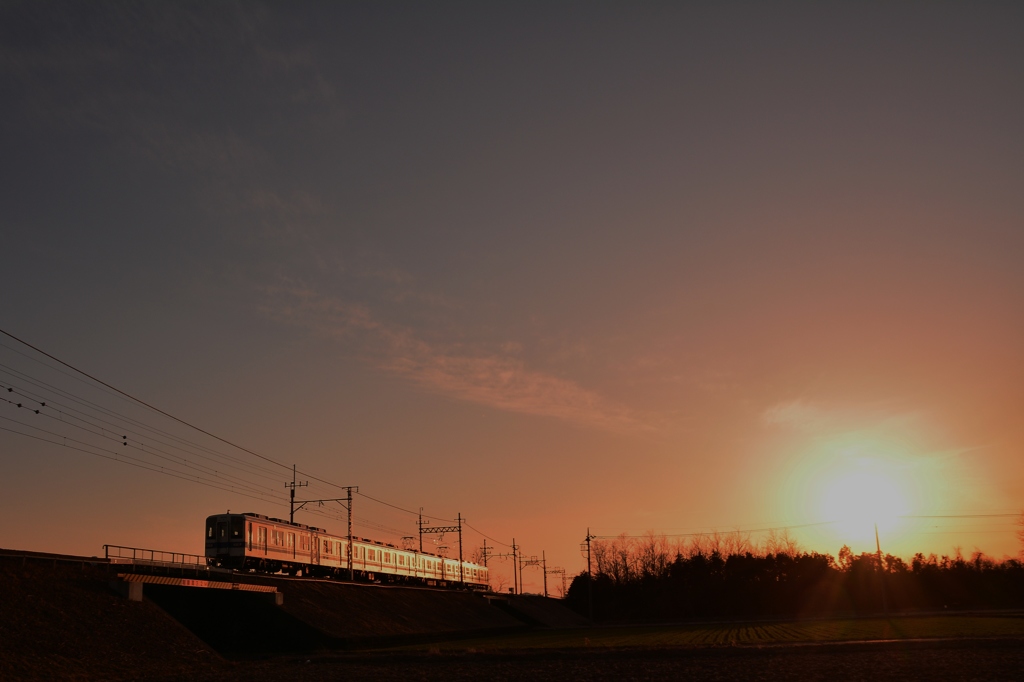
(526, 562)
(420, 524)
(462, 578)
(446, 529)
(878, 547)
(515, 564)
(590, 580)
(544, 562)
(561, 572)
(345, 502)
(293, 485)
(351, 567)
(483, 554)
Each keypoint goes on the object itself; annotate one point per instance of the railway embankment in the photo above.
(320, 615)
(59, 619)
(64, 617)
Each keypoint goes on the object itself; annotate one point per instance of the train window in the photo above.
(209, 531)
(236, 527)
(222, 530)
(291, 540)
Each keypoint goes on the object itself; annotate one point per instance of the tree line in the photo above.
(727, 575)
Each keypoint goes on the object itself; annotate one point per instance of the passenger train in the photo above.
(255, 542)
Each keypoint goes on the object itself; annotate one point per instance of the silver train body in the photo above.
(255, 542)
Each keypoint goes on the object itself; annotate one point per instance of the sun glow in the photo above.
(849, 486)
(863, 493)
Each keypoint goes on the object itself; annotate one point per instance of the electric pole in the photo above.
(446, 529)
(526, 562)
(351, 567)
(345, 502)
(561, 572)
(544, 562)
(293, 485)
(462, 578)
(878, 547)
(515, 564)
(590, 581)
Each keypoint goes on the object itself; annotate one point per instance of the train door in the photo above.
(261, 538)
(314, 557)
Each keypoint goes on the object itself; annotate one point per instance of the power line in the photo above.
(47, 407)
(124, 459)
(88, 404)
(716, 532)
(156, 409)
(959, 516)
(403, 509)
(92, 421)
(143, 402)
(504, 544)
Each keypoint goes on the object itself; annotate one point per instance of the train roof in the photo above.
(287, 523)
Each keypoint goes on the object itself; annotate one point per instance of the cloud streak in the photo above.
(496, 378)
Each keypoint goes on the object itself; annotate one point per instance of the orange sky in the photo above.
(631, 269)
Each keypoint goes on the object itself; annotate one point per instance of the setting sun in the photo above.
(846, 484)
(861, 494)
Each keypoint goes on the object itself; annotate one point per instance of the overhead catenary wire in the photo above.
(403, 509)
(125, 395)
(121, 456)
(123, 459)
(46, 407)
(144, 403)
(87, 404)
(503, 544)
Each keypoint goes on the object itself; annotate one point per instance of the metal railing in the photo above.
(152, 557)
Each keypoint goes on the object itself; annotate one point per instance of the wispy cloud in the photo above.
(494, 377)
(800, 415)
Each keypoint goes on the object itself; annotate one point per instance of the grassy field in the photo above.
(747, 634)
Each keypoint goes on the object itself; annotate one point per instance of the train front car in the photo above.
(225, 540)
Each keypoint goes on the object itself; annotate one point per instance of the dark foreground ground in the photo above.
(61, 621)
(986, 660)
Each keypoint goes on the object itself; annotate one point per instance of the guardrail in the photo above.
(154, 557)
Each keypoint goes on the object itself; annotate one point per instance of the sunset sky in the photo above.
(670, 267)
